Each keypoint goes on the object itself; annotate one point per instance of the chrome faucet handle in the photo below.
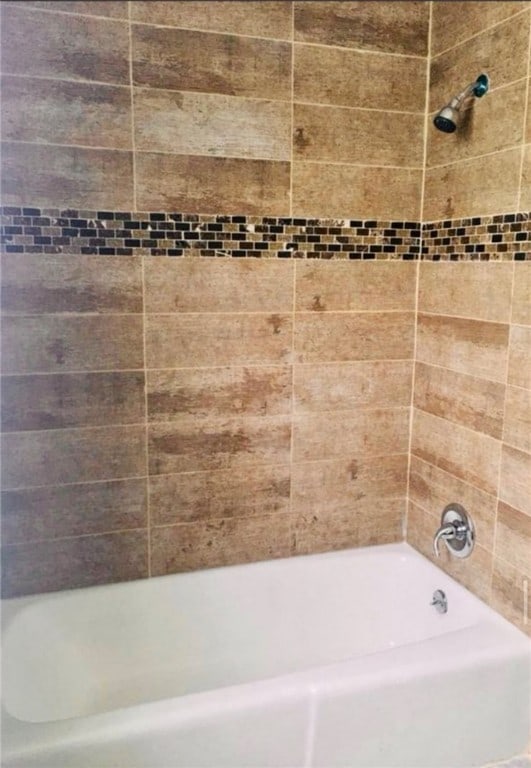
(445, 532)
(457, 532)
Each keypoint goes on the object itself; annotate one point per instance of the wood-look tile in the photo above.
(466, 400)
(515, 488)
(392, 27)
(73, 510)
(339, 286)
(212, 184)
(527, 136)
(71, 47)
(521, 301)
(451, 24)
(259, 19)
(473, 347)
(511, 592)
(340, 336)
(180, 59)
(60, 283)
(224, 285)
(195, 341)
(190, 546)
(57, 344)
(60, 456)
(190, 443)
(326, 134)
(195, 496)
(480, 291)
(82, 561)
(519, 371)
(72, 400)
(67, 177)
(346, 386)
(64, 112)
(469, 456)
(525, 183)
(338, 190)
(513, 538)
(377, 432)
(116, 9)
(517, 422)
(325, 75)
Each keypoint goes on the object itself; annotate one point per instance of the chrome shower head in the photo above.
(448, 118)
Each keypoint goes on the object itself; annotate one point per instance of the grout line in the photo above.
(133, 146)
(146, 413)
(473, 158)
(474, 376)
(32, 8)
(292, 112)
(472, 318)
(527, 109)
(110, 532)
(455, 477)
(293, 527)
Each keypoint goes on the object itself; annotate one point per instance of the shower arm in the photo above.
(478, 88)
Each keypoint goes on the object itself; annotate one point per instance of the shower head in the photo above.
(448, 118)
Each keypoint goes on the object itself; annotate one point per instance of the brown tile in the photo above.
(451, 24)
(463, 399)
(325, 133)
(56, 344)
(481, 291)
(338, 336)
(393, 27)
(338, 286)
(513, 538)
(196, 496)
(346, 386)
(215, 543)
(45, 283)
(63, 112)
(179, 59)
(325, 75)
(338, 190)
(72, 400)
(190, 443)
(183, 341)
(469, 456)
(432, 489)
(212, 184)
(475, 187)
(521, 303)
(515, 485)
(116, 9)
(517, 423)
(527, 137)
(59, 456)
(525, 184)
(57, 176)
(509, 587)
(260, 19)
(73, 510)
(519, 372)
(48, 566)
(474, 347)
(224, 285)
(72, 47)
(501, 51)
(378, 432)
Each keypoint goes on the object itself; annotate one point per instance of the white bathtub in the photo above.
(328, 660)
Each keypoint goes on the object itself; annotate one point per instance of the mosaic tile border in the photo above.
(502, 237)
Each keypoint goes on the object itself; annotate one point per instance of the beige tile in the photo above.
(190, 443)
(260, 19)
(501, 52)
(515, 484)
(211, 184)
(191, 546)
(474, 347)
(58, 456)
(469, 456)
(326, 134)
(325, 75)
(513, 538)
(455, 22)
(346, 386)
(393, 27)
(179, 59)
(112, 8)
(338, 190)
(210, 124)
(196, 496)
(59, 283)
(56, 344)
(465, 400)
(335, 336)
(509, 587)
(71, 47)
(527, 137)
(183, 341)
(525, 184)
(378, 432)
(517, 423)
(478, 290)
(521, 303)
(432, 489)
(477, 187)
(519, 372)
(224, 285)
(73, 510)
(72, 400)
(338, 286)
(256, 391)
(58, 177)
(47, 566)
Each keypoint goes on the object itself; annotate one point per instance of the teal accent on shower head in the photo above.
(481, 86)
(449, 117)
